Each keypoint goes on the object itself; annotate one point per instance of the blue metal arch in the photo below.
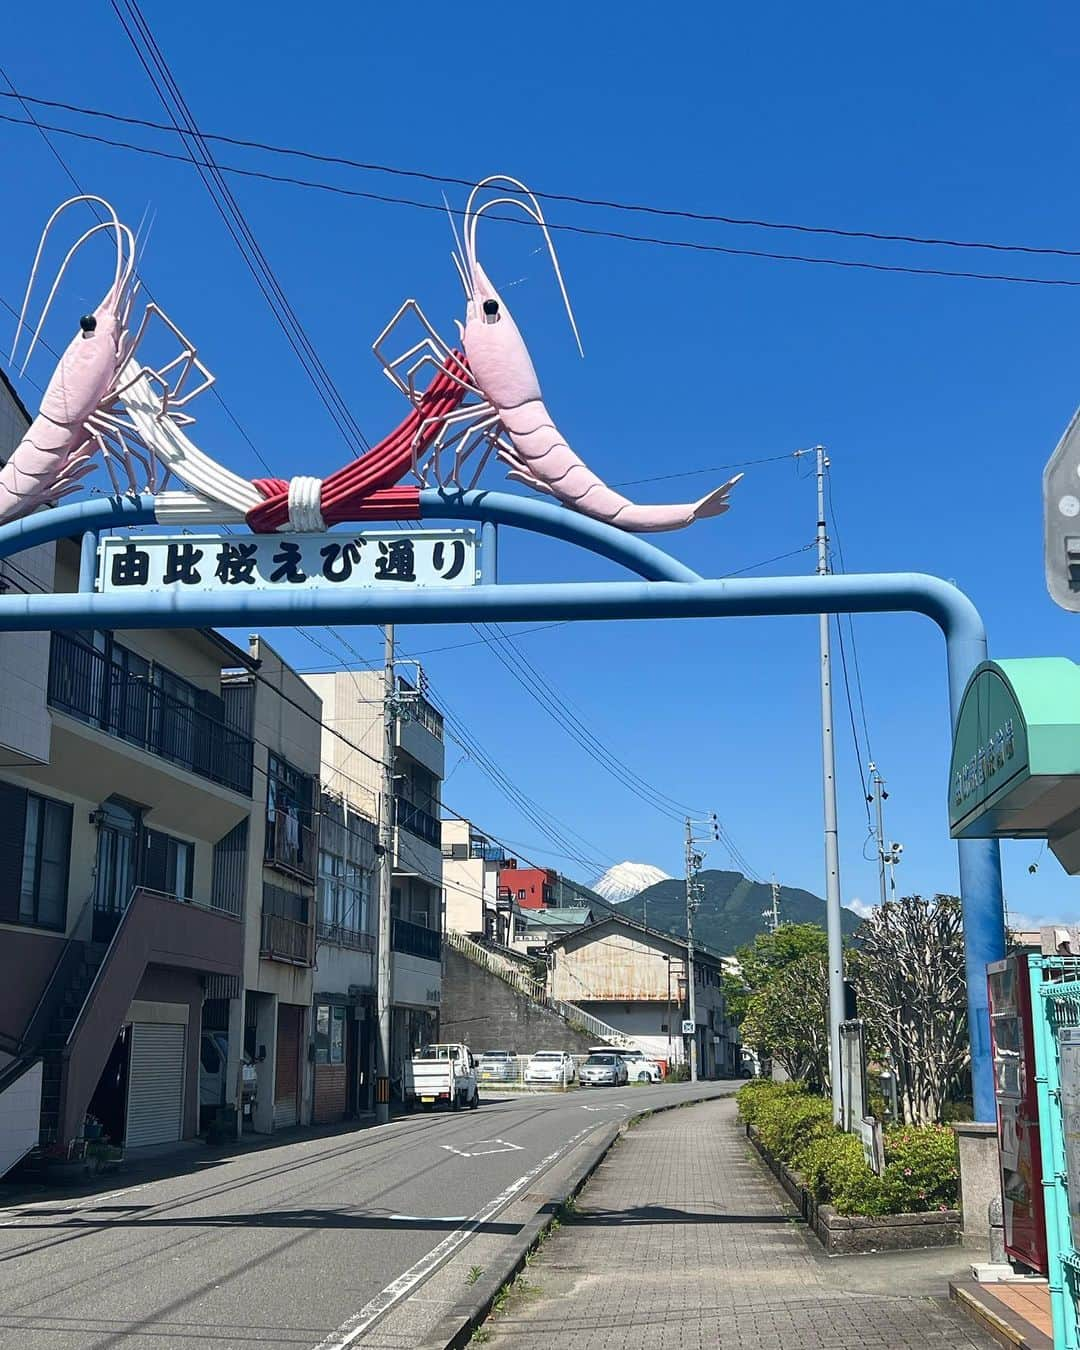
(668, 589)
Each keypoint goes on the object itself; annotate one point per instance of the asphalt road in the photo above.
(307, 1244)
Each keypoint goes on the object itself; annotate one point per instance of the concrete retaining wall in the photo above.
(485, 1013)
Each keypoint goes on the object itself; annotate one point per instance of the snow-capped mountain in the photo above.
(626, 879)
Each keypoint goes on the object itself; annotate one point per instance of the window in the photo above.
(523, 895)
(168, 864)
(46, 849)
(329, 1034)
(344, 893)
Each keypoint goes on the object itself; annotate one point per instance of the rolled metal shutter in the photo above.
(155, 1083)
(287, 1066)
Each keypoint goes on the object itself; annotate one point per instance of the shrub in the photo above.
(920, 1175)
(752, 1096)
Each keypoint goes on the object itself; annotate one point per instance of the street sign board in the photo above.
(688, 1027)
(401, 559)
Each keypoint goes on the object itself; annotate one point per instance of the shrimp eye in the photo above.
(88, 323)
(491, 309)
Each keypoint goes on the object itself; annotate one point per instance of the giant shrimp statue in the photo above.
(483, 398)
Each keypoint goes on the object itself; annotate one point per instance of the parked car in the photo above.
(551, 1066)
(213, 1071)
(441, 1073)
(606, 1070)
(639, 1067)
(498, 1066)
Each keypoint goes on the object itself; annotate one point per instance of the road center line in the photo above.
(394, 1292)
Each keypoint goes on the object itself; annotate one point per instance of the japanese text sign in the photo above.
(266, 562)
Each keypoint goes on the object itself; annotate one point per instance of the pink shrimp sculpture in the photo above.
(506, 413)
(81, 408)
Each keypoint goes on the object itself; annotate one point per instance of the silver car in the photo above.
(498, 1066)
(603, 1071)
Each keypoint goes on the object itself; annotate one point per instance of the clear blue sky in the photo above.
(939, 399)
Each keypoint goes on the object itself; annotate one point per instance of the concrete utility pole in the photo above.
(772, 914)
(832, 850)
(890, 856)
(386, 861)
(878, 797)
(693, 900)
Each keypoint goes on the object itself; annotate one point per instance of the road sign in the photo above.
(688, 1027)
(373, 560)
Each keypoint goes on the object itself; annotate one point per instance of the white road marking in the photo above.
(476, 1151)
(369, 1314)
(428, 1218)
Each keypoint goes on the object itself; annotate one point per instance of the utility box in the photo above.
(1017, 1111)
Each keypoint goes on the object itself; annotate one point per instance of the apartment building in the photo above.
(352, 752)
(471, 867)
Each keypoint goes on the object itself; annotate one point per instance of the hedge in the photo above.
(921, 1172)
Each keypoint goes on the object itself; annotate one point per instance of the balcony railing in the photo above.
(413, 939)
(290, 845)
(481, 849)
(86, 684)
(420, 710)
(417, 821)
(286, 940)
(340, 935)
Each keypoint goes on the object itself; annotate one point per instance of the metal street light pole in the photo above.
(832, 850)
(386, 842)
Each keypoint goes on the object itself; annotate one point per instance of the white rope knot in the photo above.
(305, 514)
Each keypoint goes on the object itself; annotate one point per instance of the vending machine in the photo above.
(1017, 1111)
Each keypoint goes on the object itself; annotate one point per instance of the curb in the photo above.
(455, 1328)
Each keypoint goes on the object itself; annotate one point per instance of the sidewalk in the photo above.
(683, 1241)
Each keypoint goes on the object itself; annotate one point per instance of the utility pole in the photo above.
(772, 914)
(832, 850)
(890, 856)
(386, 842)
(693, 900)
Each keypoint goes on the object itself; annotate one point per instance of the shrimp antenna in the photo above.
(112, 223)
(531, 208)
(121, 280)
(458, 257)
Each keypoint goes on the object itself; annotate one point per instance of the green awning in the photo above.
(1015, 771)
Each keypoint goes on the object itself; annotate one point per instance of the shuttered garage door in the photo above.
(155, 1083)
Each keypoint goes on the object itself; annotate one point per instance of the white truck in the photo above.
(443, 1074)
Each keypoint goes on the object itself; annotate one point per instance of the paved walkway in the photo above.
(683, 1241)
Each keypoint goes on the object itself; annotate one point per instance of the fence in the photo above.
(1055, 1012)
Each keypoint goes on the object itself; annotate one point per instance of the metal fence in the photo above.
(86, 684)
(1055, 1010)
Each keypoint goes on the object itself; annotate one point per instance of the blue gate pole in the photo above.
(980, 891)
(671, 591)
(88, 561)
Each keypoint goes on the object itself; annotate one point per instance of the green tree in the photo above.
(764, 958)
(787, 1019)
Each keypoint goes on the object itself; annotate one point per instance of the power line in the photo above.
(637, 208)
(157, 70)
(624, 236)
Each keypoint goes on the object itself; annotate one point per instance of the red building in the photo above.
(529, 887)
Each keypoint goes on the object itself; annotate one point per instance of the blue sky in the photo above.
(939, 399)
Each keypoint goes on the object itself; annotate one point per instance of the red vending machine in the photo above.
(1017, 1111)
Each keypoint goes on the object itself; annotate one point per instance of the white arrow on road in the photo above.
(477, 1148)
